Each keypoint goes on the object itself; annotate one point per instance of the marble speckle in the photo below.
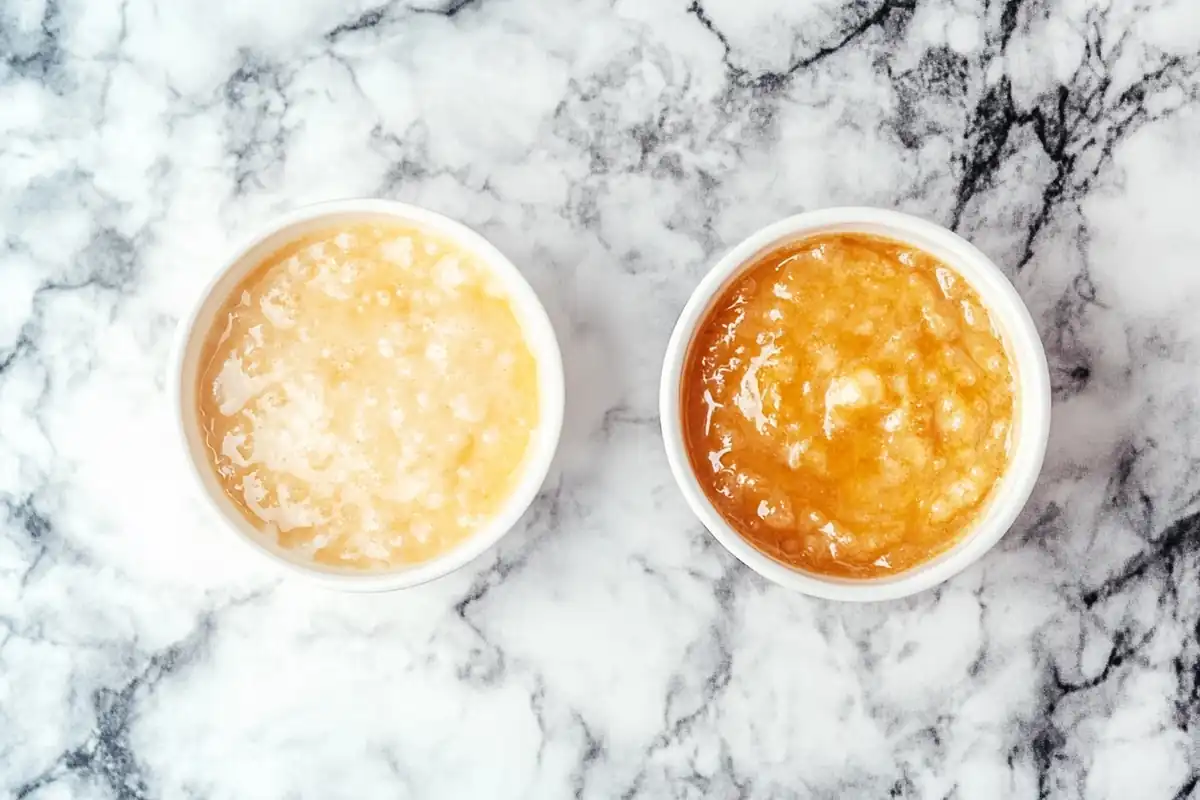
(608, 647)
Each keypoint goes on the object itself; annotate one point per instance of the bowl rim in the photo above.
(540, 337)
(1031, 431)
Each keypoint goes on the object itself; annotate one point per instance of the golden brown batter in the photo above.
(847, 405)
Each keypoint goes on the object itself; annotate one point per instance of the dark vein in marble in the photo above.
(366, 21)
(1180, 539)
(27, 519)
(35, 524)
(714, 652)
(453, 8)
(1048, 741)
(593, 752)
(546, 511)
(109, 261)
(771, 82)
(1127, 496)
(486, 664)
(107, 756)
(903, 787)
(43, 63)
(1179, 544)
(940, 74)
(1077, 125)
(374, 18)
(623, 415)
(22, 346)
(256, 102)
(1185, 792)
(1069, 355)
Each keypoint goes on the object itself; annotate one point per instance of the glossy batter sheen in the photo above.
(848, 405)
(367, 396)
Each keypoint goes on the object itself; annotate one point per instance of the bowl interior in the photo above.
(1030, 419)
(539, 335)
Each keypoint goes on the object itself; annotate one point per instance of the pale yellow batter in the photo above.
(368, 397)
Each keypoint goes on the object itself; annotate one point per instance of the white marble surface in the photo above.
(608, 648)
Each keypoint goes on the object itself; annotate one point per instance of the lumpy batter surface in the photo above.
(848, 404)
(368, 396)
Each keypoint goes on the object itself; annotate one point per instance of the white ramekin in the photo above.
(539, 334)
(1030, 432)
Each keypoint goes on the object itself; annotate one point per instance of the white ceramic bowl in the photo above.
(539, 334)
(1032, 419)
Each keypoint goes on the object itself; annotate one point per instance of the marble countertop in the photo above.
(609, 647)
